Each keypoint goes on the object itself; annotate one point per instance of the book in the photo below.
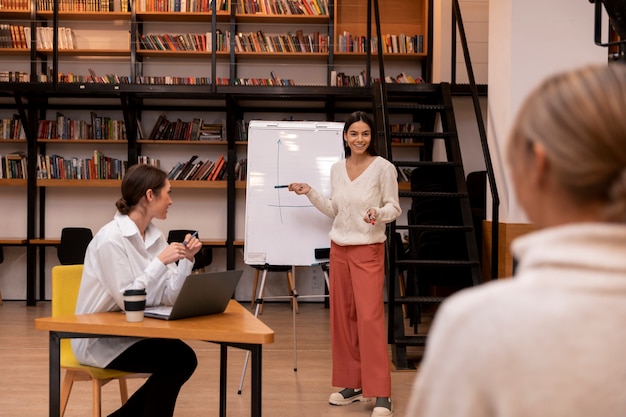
(158, 127)
(186, 167)
(217, 168)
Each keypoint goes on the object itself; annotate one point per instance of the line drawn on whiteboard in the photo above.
(280, 209)
(279, 205)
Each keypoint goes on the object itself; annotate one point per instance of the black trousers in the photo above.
(169, 361)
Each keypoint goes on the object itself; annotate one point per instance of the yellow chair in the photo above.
(65, 285)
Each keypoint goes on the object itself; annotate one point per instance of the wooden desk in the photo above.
(236, 327)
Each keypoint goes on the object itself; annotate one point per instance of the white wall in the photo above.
(529, 40)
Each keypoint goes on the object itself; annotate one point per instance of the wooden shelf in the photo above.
(9, 241)
(12, 182)
(180, 54)
(87, 16)
(45, 242)
(14, 15)
(281, 18)
(406, 145)
(89, 52)
(79, 183)
(85, 141)
(282, 55)
(198, 184)
(182, 142)
(181, 16)
(14, 51)
(13, 141)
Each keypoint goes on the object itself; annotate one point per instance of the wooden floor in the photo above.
(24, 369)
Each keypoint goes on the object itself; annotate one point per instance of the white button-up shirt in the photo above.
(118, 259)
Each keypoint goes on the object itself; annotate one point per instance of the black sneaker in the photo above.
(346, 396)
(382, 408)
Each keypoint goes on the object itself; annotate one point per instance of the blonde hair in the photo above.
(579, 117)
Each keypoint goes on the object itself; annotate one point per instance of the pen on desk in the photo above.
(281, 186)
(195, 234)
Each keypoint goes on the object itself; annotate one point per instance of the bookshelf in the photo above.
(108, 71)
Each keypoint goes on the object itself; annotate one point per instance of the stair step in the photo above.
(425, 194)
(437, 262)
(419, 299)
(410, 341)
(432, 135)
(435, 227)
(415, 106)
(426, 164)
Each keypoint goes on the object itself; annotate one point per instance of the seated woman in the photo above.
(550, 341)
(130, 252)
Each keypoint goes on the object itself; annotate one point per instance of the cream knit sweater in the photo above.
(376, 187)
(549, 342)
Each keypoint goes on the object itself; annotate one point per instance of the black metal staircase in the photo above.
(442, 254)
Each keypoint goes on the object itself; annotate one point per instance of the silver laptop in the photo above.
(201, 294)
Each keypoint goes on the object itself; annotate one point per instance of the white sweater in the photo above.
(549, 342)
(376, 187)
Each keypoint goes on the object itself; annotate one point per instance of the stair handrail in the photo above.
(458, 19)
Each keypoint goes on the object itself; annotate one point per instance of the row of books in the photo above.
(392, 44)
(197, 170)
(340, 79)
(15, 77)
(100, 167)
(23, 5)
(171, 80)
(283, 7)
(19, 37)
(101, 127)
(12, 36)
(194, 130)
(403, 128)
(404, 174)
(264, 81)
(79, 5)
(13, 166)
(206, 170)
(195, 6)
(297, 41)
(185, 42)
(12, 128)
(92, 78)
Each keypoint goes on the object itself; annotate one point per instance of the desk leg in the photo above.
(223, 374)
(257, 365)
(55, 375)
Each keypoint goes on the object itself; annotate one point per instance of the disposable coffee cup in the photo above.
(134, 305)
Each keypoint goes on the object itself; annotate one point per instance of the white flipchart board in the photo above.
(283, 228)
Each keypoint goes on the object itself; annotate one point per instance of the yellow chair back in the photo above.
(65, 285)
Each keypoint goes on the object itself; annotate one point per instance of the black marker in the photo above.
(281, 186)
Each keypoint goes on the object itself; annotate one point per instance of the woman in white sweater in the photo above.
(550, 341)
(364, 197)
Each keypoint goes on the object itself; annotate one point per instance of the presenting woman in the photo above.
(364, 197)
(130, 252)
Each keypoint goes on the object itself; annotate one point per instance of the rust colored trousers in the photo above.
(360, 355)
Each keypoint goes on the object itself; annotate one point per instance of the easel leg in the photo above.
(259, 302)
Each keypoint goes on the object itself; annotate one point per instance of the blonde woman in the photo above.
(550, 341)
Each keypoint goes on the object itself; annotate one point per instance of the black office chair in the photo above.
(203, 258)
(74, 242)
